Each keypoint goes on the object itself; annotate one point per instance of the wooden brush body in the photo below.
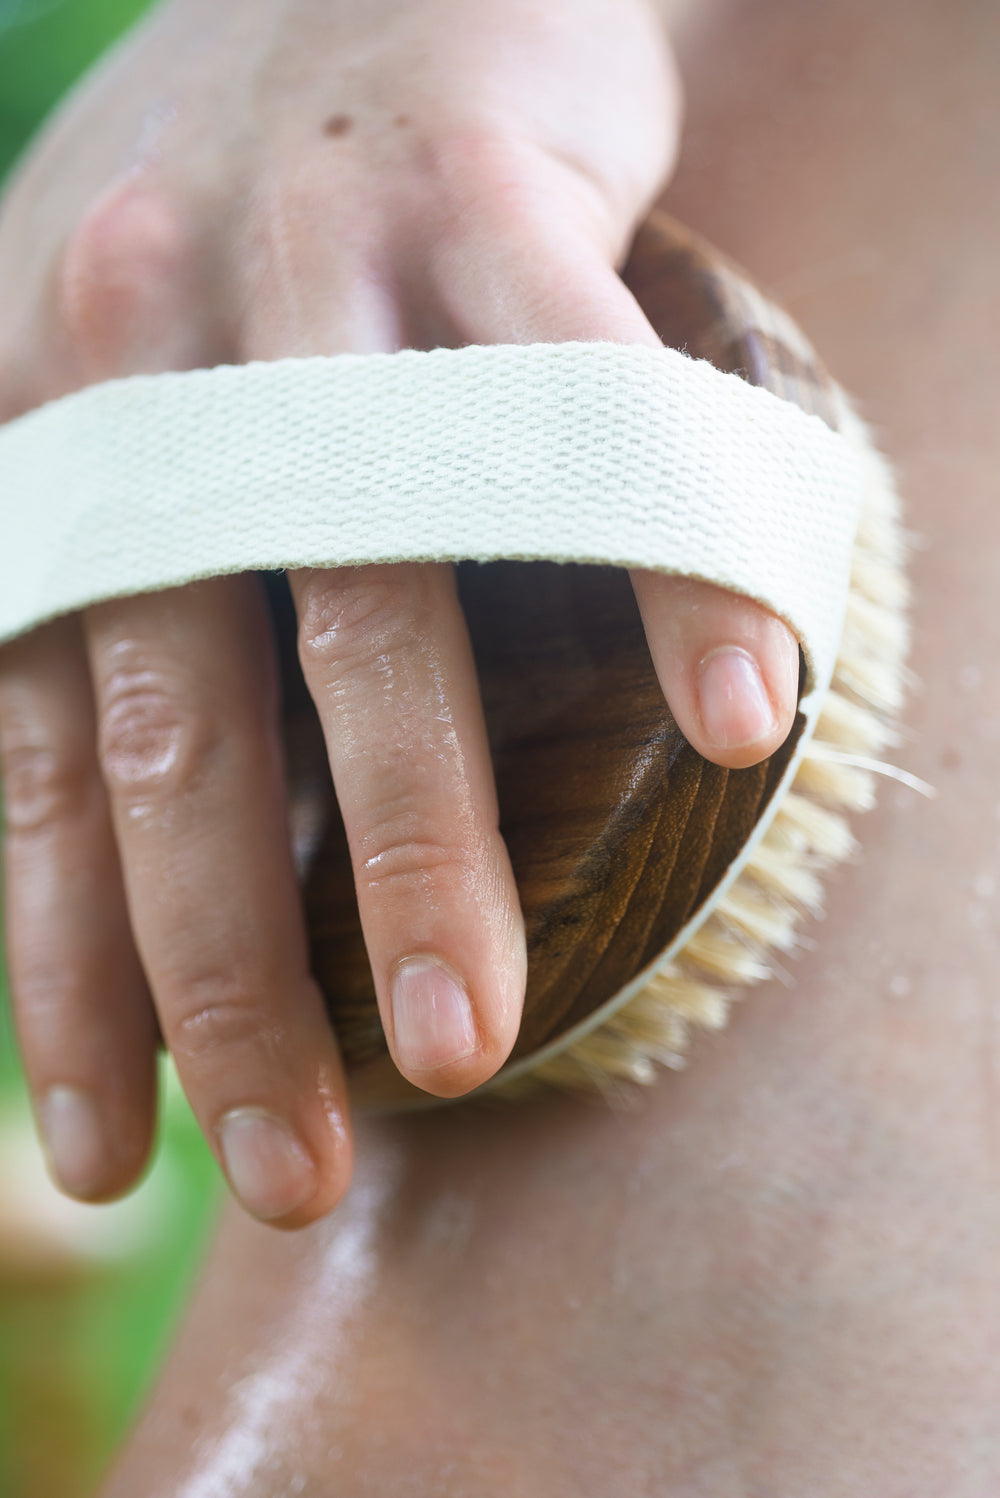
(618, 831)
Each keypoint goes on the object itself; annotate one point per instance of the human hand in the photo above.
(237, 184)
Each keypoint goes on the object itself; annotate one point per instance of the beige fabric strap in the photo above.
(576, 452)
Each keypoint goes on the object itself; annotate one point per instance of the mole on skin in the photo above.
(338, 124)
(342, 124)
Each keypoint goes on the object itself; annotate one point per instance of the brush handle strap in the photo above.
(576, 452)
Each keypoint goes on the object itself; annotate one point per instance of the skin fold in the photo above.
(777, 1274)
(252, 180)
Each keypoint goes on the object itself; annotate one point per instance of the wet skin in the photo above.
(779, 1275)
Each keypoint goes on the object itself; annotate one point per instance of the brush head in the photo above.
(652, 882)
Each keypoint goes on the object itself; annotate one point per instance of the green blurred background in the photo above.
(88, 1296)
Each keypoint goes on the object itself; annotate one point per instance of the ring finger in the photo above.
(187, 729)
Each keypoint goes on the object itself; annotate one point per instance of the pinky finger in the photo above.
(729, 669)
(82, 1010)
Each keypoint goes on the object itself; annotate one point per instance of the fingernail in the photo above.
(267, 1167)
(735, 709)
(431, 1016)
(73, 1138)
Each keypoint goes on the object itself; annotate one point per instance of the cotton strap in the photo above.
(576, 452)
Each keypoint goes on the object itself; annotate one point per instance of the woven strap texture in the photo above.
(576, 452)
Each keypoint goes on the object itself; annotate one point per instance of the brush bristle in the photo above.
(760, 913)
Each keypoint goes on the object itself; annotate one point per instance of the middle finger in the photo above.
(386, 656)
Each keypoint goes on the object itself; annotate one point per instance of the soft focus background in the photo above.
(88, 1295)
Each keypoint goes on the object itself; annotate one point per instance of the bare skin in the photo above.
(246, 180)
(780, 1275)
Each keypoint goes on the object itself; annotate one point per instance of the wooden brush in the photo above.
(654, 885)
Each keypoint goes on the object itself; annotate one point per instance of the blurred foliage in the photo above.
(44, 47)
(83, 1333)
(78, 1349)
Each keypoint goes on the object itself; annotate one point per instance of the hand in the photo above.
(245, 181)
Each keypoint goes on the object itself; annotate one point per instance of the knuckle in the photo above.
(127, 245)
(41, 786)
(217, 1016)
(150, 742)
(365, 615)
(401, 852)
(488, 174)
